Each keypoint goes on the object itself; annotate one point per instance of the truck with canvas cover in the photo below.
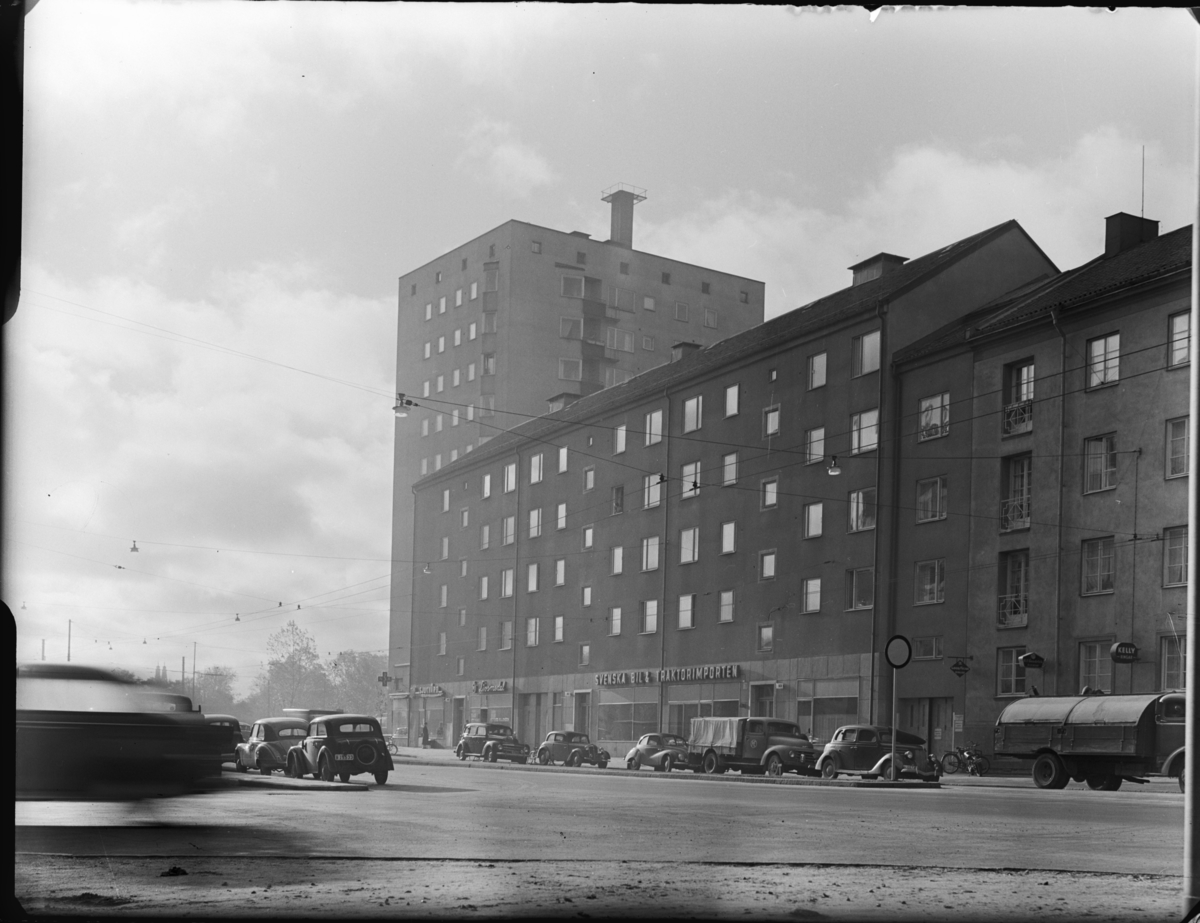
(753, 746)
(1102, 740)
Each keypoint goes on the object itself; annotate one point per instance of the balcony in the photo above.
(1018, 418)
(1014, 513)
(1014, 611)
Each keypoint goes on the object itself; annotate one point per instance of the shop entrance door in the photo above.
(931, 719)
(583, 712)
(459, 706)
(530, 730)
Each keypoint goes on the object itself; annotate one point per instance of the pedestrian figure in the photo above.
(424, 735)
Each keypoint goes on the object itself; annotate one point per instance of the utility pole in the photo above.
(193, 673)
(68, 640)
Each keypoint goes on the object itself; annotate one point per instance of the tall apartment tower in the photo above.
(523, 320)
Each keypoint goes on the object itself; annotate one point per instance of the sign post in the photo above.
(898, 652)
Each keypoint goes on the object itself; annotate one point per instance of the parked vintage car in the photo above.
(571, 748)
(662, 752)
(341, 746)
(233, 727)
(269, 742)
(866, 750)
(491, 742)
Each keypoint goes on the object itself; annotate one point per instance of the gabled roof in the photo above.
(1071, 290)
(843, 305)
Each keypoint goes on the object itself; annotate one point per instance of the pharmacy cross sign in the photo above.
(383, 679)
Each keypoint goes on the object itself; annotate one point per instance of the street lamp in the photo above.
(834, 470)
(402, 404)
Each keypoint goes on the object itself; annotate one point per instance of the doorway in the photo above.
(459, 708)
(583, 712)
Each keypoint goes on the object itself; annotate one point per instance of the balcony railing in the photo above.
(1018, 418)
(1014, 611)
(1014, 514)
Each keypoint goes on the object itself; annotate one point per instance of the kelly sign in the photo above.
(1123, 652)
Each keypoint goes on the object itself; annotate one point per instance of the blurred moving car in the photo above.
(233, 727)
(662, 752)
(866, 750)
(491, 742)
(341, 746)
(268, 744)
(571, 748)
(83, 732)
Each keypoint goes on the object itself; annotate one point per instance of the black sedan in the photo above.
(662, 752)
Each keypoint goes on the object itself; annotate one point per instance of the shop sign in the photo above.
(668, 675)
(428, 690)
(485, 686)
(1124, 652)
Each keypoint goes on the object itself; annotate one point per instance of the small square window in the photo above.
(580, 257)
(624, 269)
(766, 565)
(535, 246)
(666, 278)
(705, 288)
(648, 303)
(744, 297)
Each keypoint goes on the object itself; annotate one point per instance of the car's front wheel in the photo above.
(490, 754)
(1049, 772)
(668, 763)
(636, 762)
(774, 766)
(325, 768)
(544, 757)
(381, 777)
(461, 752)
(829, 769)
(237, 763)
(293, 768)
(603, 764)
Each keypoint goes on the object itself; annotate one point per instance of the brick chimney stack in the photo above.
(623, 198)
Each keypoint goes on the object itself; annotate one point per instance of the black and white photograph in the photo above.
(601, 461)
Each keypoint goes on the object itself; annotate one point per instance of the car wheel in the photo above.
(572, 760)
(892, 772)
(1049, 772)
(344, 776)
(490, 754)
(711, 765)
(636, 762)
(951, 763)
(603, 764)
(544, 757)
(668, 763)
(237, 763)
(774, 766)
(629, 764)
(264, 771)
(829, 769)
(326, 768)
(381, 777)
(461, 752)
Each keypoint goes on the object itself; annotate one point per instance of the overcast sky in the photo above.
(219, 197)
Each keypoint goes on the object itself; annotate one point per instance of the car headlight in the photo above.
(792, 754)
(908, 754)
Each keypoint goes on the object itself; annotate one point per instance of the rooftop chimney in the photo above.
(623, 198)
(679, 350)
(1122, 231)
(875, 266)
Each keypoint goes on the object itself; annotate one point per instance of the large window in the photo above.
(1098, 566)
(810, 595)
(1179, 348)
(689, 476)
(1172, 657)
(931, 499)
(614, 620)
(771, 421)
(1177, 447)
(864, 431)
(650, 553)
(531, 631)
(814, 445)
(1104, 360)
(865, 354)
(860, 588)
(728, 537)
(729, 469)
(654, 427)
(687, 611)
(1100, 463)
(816, 371)
(649, 616)
(726, 612)
(1013, 609)
(617, 557)
(693, 413)
(689, 545)
(814, 515)
(934, 417)
(1095, 666)
(1010, 674)
(731, 400)
(930, 583)
(1017, 484)
(862, 509)
(651, 490)
(1175, 553)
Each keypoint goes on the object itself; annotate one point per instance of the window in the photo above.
(930, 584)
(429, 311)
(446, 500)
(560, 572)
(441, 644)
(474, 290)
(693, 413)
(649, 616)
(454, 418)
(506, 635)
(1104, 360)
(687, 611)
(1175, 553)
(710, 318)
(814, 514)
(506, 583)
(535, 523)
(445, 547)
(428, 350)
(570, 328)
(618, 499)
(933, 420)
(614, 620)
(1177, 447)
(589, 478)
(424, 466)
(441, 384)
(769, 494)
(771, 421)
(558, 628)
(1010, 674)
(623, 268)
(619, 440)
(472, 331)
(650, 553)
(1018, 400)
(587, 596)
(1098, 566)
(860, 588)
(864, 431)
(585, 654)
(651, 490)
(1017, 483)
(728, 537)
(1014, 584)
(486, 486)
(689, 475)
(618, 559)
(535, 246)
(744, 297)
(437, 423)
(1095, 666)
(589, 536)
(1100, 463)
(681, 311)
(689, 545)
(765, 637)
(488, 323)
(458, 297)
(814, 445)
(653, 427)
(457, 373)
(562, 459)
(531, 631)
(481, 643)
(442, 596)
(561, 517)
(864, 356)
(510, 477)
(927, 648)
(766, 565)
(535, 469)
(648, 303)
(487, 364)
(509, 530)
(491, 277)
(732, 393)
(425, 391)
(931, 499)
(726, 612)
(568, 369)
(441, 344)
(816, 371)
(862, 509)
(483, 587)
(810, 595)
(666, 278)
(620, 340)
(485, 537)
(648, 343)
(1179, 340)
(1172, 658)
(729, 469)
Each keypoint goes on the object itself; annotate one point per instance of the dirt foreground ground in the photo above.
(59, 886)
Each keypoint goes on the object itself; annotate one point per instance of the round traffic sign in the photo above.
(898, 651)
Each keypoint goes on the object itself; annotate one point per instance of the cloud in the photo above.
(506, 164)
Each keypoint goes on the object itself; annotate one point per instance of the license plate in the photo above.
(343, 756)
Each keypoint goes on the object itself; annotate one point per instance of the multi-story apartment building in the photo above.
(678, 544)
(1042, 492)
(523, 319)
